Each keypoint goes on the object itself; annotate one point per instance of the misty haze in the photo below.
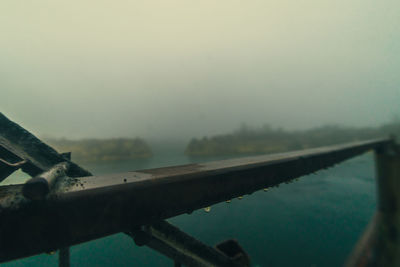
(176, 69)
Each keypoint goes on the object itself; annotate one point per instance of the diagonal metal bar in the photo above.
(93, 207)
(18, 143)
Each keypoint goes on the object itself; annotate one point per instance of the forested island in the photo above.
(101, 150)
(247, 140)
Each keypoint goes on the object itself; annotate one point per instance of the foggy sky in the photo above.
(183, 68)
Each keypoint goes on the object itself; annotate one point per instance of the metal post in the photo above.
(380, 244)
(63, 257)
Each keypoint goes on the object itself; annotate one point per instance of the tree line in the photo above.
(266, 139)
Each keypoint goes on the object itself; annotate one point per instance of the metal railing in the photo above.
(67, 209)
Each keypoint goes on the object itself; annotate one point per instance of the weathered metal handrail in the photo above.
(87, 208)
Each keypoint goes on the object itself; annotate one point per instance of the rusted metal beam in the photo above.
(87, 208)
(380, 244)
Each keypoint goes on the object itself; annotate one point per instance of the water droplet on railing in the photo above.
(207, 209)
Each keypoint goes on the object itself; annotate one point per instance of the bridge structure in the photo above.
(63, 204)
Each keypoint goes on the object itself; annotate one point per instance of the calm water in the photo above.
(312, 222)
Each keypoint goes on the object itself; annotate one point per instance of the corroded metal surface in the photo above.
(38, 187)
(93, 207)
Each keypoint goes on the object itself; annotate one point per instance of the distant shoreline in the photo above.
(102, 150)
(244, 141)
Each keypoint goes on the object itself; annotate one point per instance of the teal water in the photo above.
(312, 222)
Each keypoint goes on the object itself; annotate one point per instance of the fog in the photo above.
(181, 69)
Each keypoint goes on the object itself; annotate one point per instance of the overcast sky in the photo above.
(183, 68)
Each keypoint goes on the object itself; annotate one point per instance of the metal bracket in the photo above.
(184, 249)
